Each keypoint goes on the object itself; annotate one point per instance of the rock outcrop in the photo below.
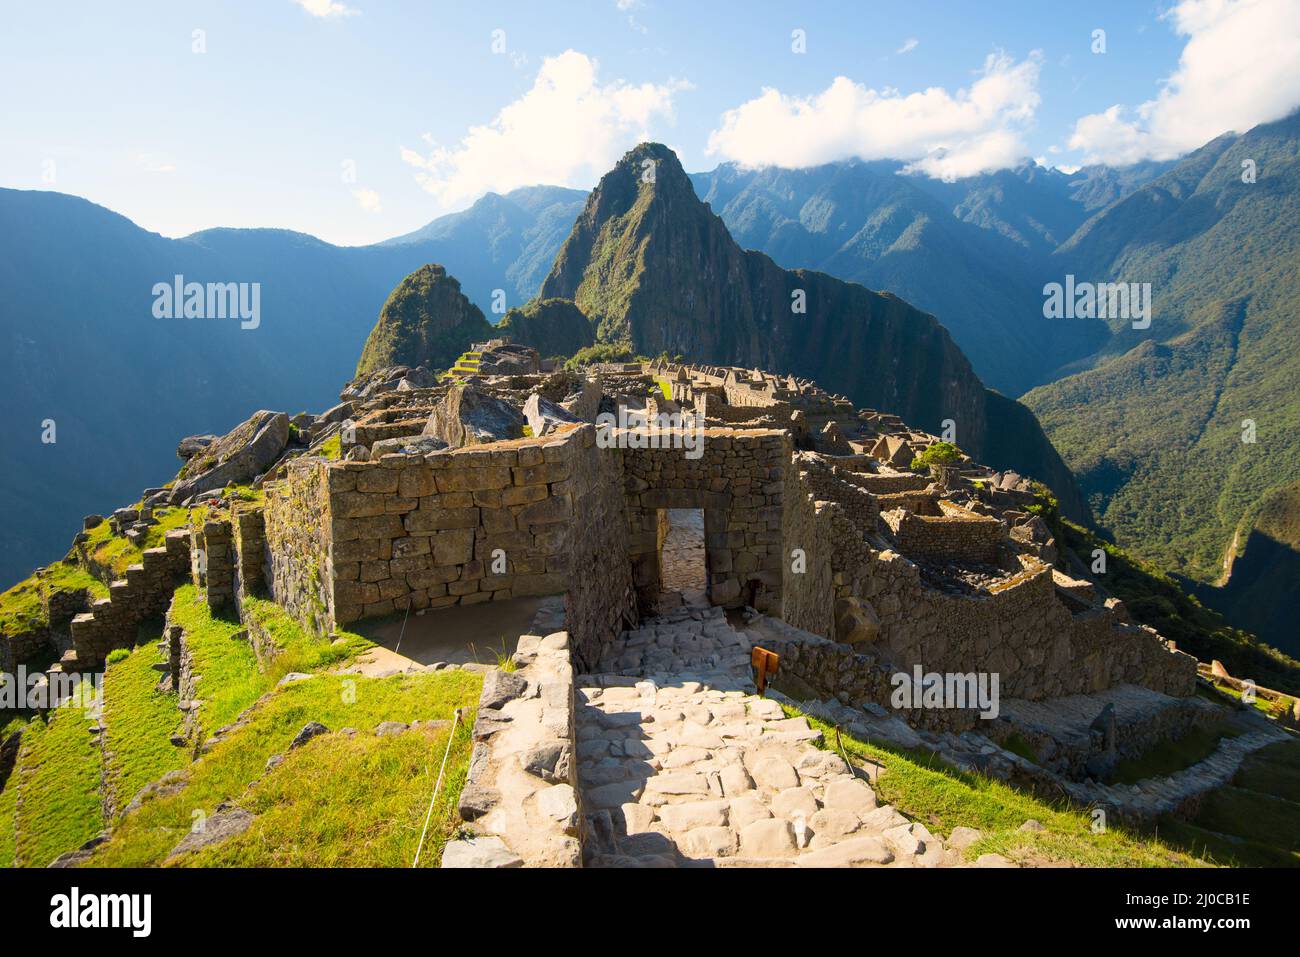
(468, 416)
(240, 455)
(543, 415)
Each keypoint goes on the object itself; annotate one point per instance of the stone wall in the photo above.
(212, 562)
(146, 591)
(813, 667)
(957, 534)
(829, 485)
(296, 524)
(21, 647)
(459, 526)
(885, 484)
(521, 797)
(601, 600)
(249, 530)
(739, 482)
(808, 585)
(1018, 629)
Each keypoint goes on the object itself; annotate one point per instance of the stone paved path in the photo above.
(682, 764)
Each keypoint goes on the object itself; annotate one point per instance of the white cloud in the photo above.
(910, 44)
(945, 135)
(1238, 69)
(368, 200)
(326, 8)
(566, 130)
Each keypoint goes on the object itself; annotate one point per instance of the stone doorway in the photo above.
(683, 560)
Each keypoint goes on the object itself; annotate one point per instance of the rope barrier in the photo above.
(451, 737)
(404, 621)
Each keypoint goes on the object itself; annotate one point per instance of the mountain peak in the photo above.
(426, 321)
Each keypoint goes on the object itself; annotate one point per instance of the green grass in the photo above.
(1169, 757)
(8, 808)
(228, 676)
(1257, 817)
(357, 801)
(1255, 822)
(110, 554)
(299, 648)
(924, 788)
(147, 836)
(59, 778)
(1273, 770)
(140, 721)
(332, 448)
(22, 607)
(10, 721)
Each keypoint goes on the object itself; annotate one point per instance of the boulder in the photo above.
(192, 445)
(407, 445)
(309, 730)
(217, 828)
(338, 413)
(417, 378)
(239, 456)
(509, 359)
(468, 416)
(855, 621)
(543, 415)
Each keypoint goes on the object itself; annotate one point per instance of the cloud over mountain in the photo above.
(943, 134)
(1216, 88)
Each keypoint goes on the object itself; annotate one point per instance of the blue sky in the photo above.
(354, 120)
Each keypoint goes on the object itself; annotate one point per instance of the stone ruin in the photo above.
(953, 570)
(466, 488)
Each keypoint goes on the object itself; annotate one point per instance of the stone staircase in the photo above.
(1153, 797)
(144, 592)
(682, 764)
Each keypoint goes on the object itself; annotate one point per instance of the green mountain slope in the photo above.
(1261, 587)
(1154, 425)
(426, 321)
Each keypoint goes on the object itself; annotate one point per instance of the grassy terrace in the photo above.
(1255, 822)
(9, 723)
(926, 789)
(230, 676)
(58, 775)
(341, 800)
(353, 801)
(338, 800)
(109, 554)
(140, 721)
(22, 607)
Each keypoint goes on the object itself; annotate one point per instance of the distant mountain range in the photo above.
(1150, 421)
(1184, 435)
